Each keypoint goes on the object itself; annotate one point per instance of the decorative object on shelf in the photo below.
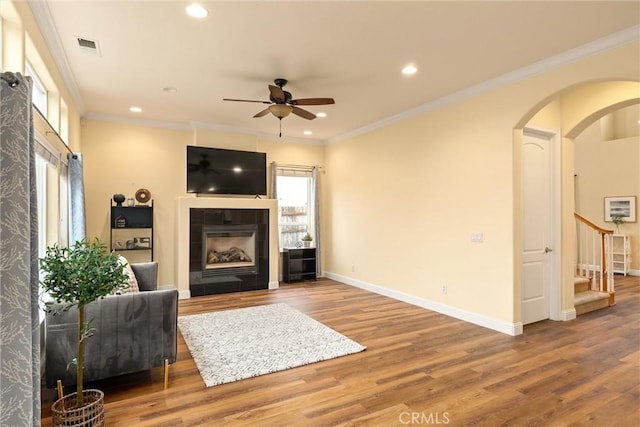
(142, 242)
(306, 240)
(121, 222)
(130, 202)
(617, 220)
(143, 196)
(131, 244)
(76, 276)
(623, 207)
(119, 198)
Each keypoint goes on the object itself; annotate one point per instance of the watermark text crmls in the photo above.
(417, 418)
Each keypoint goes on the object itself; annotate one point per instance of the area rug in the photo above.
(236, 344)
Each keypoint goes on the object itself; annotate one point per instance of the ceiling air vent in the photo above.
(88, 46)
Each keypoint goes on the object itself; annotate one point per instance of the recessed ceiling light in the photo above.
(308, 132)
(409, 70)
(321, 114)
(169, 89)
(135, 109)
(196, 10)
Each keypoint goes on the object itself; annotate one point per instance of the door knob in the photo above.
(547, 250)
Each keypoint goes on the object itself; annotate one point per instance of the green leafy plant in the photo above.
(76, 276)
(307, 238)
(617, 219)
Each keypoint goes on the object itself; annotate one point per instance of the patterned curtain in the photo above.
(78, 223)
(19, 313)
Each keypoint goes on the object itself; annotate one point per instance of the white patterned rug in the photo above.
(232, 345)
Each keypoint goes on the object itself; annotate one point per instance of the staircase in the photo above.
(586, 300)
(593, 283)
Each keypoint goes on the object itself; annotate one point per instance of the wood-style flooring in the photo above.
(420, 368)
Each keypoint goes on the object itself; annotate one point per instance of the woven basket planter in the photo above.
(64, 412)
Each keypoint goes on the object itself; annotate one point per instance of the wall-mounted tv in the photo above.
(221, 171)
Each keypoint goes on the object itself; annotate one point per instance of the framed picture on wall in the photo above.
(624, 207)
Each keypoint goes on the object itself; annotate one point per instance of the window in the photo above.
(41, 194)
(52, 196)
(296, 201)
(39, 96)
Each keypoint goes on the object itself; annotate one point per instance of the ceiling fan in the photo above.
(281, 103)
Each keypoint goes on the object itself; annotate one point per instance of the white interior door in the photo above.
(537, 278)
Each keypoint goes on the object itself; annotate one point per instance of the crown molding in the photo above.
(42, 15)
(194, 126)
(604, 44)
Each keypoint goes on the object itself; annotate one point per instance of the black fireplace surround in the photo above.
(205, 223)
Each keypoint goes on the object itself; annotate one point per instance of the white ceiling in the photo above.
(352, 51)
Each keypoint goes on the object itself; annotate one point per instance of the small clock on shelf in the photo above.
(143, 196)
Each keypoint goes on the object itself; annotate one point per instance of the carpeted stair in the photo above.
(585, 299)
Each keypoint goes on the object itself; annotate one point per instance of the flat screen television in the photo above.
(221, 171)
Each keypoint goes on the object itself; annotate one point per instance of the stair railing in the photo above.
(594, 253)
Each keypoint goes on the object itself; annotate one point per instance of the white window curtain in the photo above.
(298, 192)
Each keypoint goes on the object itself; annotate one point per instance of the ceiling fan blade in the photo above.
(262, 113)
(312, 101)
(246, 100)
(303, 113)
(276, 93)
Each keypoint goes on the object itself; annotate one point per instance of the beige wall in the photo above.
(121, 158)
(403, 200)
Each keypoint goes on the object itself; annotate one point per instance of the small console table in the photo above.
(299, 264)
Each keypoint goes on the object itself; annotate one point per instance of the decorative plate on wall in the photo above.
(143, 195)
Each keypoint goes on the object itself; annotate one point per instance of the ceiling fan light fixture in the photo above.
(409, 70)
(280, 110)
(197, 11)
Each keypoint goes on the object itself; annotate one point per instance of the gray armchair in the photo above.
(132, 332)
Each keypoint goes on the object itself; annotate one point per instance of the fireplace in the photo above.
(228, 250)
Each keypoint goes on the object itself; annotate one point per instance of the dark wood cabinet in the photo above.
(299, 264)
(132, 231)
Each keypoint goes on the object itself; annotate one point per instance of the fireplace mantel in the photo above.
(183, 206)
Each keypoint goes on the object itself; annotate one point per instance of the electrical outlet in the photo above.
(477, 237)
(444, 288)
(353, 268)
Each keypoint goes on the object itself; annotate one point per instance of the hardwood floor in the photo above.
(419, 368)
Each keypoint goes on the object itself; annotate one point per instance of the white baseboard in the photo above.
(274, 284)
(468, 316)
(634, 273)
(566, 315)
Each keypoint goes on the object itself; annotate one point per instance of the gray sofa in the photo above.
(132, 332)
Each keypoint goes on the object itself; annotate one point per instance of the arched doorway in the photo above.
(568, 112)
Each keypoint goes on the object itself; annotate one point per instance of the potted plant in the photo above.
(74, 277)
(306, 240)
(617, 220)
